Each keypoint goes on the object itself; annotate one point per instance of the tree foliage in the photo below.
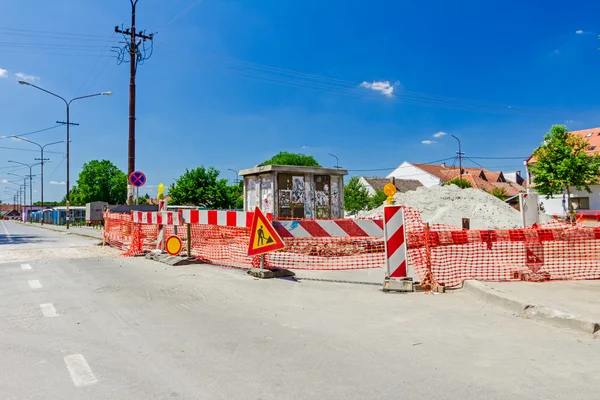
(377, 199)
(562, 162)
(461, 183)
(356, 196)
(99, 181)
(500, 193)
(286, 158)
(203, 187)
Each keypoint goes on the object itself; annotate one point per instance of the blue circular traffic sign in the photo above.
(137, 178)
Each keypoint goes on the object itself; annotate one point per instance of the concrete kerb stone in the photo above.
(533, 311)
(270, 273)
(174, 261)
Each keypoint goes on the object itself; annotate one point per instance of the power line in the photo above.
(501, 158)
(37, 151)
(181, 14)
(52, 33)
(286, 77)
(408, 166)
(30, 133)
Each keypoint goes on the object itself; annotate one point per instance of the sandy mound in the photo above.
(449, 204)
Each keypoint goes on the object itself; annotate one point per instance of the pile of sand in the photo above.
(449, 204)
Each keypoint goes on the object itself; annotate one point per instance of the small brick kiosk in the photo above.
(293, 192)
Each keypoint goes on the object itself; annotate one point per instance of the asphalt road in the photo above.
(93, 325)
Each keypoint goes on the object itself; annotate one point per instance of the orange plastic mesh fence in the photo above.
(438, 253)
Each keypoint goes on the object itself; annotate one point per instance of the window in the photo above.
(589, 134)
(580, 203)
(591, 147)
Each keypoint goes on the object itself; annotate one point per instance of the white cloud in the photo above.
(3, 73)
(25, 77)
(439, 134)
(556, 52)
(383, 87)
(428, 141)
(580, 32)
(4, 180)
(57, 183)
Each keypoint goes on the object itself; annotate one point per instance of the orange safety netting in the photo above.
(439, 253)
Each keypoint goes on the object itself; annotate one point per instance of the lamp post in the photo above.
(459, 162)
(30, 182)
(17, 193)
(24, 186)
(68, 123)
(42, 162)
(337, 161)
(237, 174)
(14, 195)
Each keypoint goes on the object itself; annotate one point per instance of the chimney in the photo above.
(443, 165)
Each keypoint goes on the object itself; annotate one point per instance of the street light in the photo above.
(68, 104)
(337, 161)
(18, 191)
(42, 162)
(30, 182)
(237, 174)
(24, 186)
(14, 194)
(459, 162)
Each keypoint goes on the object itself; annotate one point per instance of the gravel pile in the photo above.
(449, 204)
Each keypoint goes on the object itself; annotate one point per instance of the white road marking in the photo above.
(10, 239)
(48, 310)
(25, 266)
(35, 284)
(80, 371)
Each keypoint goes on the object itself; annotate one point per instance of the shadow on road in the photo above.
(23, 239)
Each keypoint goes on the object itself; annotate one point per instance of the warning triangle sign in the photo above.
(263, 237)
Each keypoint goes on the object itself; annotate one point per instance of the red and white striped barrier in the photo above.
(395, 242)
(160, 241)
(239, 219)
(160, 217)
(329, 228)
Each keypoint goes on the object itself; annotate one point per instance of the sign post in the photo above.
(263, 237)
(137, 179)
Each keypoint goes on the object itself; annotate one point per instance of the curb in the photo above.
(532, 311)
(60, 230)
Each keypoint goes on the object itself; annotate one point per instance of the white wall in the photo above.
(554, 205)
(369, 188)
(408, 171)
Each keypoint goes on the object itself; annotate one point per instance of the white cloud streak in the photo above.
(428, 141)
(57, 183)
(579, 32)
(3, 73)
(383, 87)
(25, 77)
(439, 134)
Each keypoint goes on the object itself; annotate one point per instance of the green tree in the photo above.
(201, 186)
(562, 163)
(286, 158)
(235, 194)
(377, 199)
(461, 183)
(500, 193)
(99, 181)
(356, 196)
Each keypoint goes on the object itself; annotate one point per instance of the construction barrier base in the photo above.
(398, 285)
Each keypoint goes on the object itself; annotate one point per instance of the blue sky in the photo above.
(231, 83)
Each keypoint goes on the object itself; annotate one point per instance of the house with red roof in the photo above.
(479, 178)
(582, 201)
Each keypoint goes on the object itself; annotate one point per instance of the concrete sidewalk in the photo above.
(82, 231)
(568, 304)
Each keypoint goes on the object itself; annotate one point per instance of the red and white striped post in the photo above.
(160, 240)
(396, 261)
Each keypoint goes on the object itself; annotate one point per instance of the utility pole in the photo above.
(460, 154)
(135, 57)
